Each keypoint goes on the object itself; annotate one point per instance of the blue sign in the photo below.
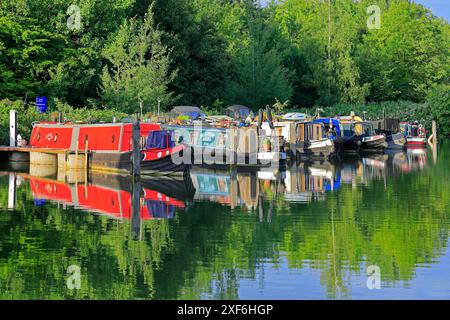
(41, 104)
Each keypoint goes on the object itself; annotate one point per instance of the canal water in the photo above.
(369, 227)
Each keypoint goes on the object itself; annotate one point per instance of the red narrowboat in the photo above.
(415, 133)
(110, 145)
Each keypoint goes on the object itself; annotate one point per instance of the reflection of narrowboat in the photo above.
(110, 145)
(232, 189)
(109, 197)
(415, 133)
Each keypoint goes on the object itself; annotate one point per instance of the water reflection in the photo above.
(109, 195)
(302, 182)
(307, 232)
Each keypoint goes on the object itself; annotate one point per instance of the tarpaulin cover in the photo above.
(159, 209)
(326, 121)
(161, 139)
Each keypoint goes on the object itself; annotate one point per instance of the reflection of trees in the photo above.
(205, 252)
(38, 244)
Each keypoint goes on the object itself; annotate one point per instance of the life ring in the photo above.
(422, 132)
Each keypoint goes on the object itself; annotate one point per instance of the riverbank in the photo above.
(436, 108)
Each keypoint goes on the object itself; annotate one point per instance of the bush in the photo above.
(439, 101)
(403, 110)
(27, 114)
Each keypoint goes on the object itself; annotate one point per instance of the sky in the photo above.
(440, 8)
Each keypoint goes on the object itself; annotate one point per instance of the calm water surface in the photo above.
(308, 233)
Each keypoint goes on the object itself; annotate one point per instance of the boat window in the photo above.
(208, 139)
(348, 130)
(300, 132)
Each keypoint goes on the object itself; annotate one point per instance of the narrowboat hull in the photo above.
(416, 142)
(163, 167)
(320, 149)
(374, 143)
(396, 141)
(351, 144)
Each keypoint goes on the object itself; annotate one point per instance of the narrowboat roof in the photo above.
(295, 116)
(351, 119)
(336, 122)
(186, 109)
(236, 107)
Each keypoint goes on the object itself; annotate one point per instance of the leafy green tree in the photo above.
(139, 67)
(407, 55)
(260, 76)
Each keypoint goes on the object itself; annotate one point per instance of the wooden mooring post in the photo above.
(433, 140)
(136, 153)
(434, 132)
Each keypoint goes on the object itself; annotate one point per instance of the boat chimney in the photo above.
(12, 128)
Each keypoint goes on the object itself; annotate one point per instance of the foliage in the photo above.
(27, 114)
(139, 71)
(310, 52)
(439, 102)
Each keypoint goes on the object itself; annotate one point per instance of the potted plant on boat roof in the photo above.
(266, 144)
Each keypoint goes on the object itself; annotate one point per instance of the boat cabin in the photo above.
(194, 113)
(412, 130)
(332, 127)
(352, 128)
(387, 126)
(310, 131)
(237, 112)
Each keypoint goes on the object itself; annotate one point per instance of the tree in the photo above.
(407, 55)
(138, 70)
(260, 77)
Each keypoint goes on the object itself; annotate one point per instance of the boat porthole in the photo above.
(159, 154)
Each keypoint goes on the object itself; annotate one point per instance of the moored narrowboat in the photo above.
(334, 131)
(110, 146)
(371, 141)
(391, 129)
(415, 134)
(312, 140)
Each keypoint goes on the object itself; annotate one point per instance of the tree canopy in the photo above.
(212, 52)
